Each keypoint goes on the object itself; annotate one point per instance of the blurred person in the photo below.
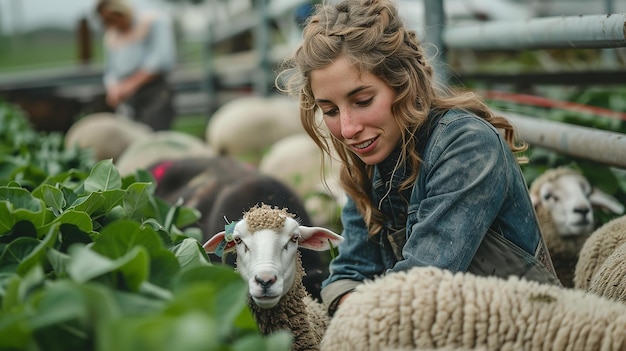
(139, 53)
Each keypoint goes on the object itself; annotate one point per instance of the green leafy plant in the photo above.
(90, 260)
(28, 156)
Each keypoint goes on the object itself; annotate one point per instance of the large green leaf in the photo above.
(90, 204)
(69, 316)
(225, 295)
(137, 197)
(37, 255)
(15, 333)
(104, 176)
(21, 199)
(120, 237)
(164, 267)
(126, 272)
(9, 291)
(9, 216)
(77, 218)
(187, 216)
(190, 253)
(51, 196)
(20, 229)
(281, 340)
(16, 252)
(189, 332)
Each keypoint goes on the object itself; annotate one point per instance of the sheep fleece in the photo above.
(609, 280)
(434, 308)
(597, 248)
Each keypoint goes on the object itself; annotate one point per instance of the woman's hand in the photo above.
(342, 299)
(114, 96)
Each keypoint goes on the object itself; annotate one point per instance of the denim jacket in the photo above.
(469, 184)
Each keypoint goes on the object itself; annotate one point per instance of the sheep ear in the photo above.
(318, 238)
(218, 244)
(536, 201)
(605, 201)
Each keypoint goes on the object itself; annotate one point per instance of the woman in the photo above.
(431, 176)
(140, 51)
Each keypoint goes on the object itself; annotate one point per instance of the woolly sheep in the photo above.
(161, 145)
(266, 242)
(428, 307)
(106, 133)
(244, 127)
(595, 253)
(296, 160)
(221, 188)
(610, 279)
(564, 201)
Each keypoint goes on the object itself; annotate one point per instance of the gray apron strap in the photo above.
(497, 256)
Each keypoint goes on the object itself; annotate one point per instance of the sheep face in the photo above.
(265, 260)
(266, 244)
(567, 199)
(570, 200)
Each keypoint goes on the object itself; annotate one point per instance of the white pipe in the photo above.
(592, 31)
(588, 143)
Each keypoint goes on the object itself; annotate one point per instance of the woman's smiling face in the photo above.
(357, 109)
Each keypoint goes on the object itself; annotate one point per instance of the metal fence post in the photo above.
(434, 24)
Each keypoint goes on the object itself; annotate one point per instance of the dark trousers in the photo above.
(153, 104)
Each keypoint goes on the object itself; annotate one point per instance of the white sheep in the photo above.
(564, 202)
(245, 127)
(428, 307)
(266, 242)
(600, 256)
(296, 161)
(107, 134)
(161, 145)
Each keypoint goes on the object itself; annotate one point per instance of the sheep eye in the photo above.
(294, 239)
(549, 196)
(238, 241)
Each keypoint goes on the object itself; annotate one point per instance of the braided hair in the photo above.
(373, 37)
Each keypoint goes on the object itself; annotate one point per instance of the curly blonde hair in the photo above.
(372, 36)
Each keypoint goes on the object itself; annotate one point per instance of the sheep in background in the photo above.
(221, 188)
(432, 308)
(296, 161)
(106, 133)
(564, 202)
(243, 128)
(266, 242)
(161, 145)
(601, 267)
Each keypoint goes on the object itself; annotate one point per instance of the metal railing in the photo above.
(590, 31)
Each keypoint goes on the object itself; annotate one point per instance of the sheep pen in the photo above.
(266, 242)
(432, 308)
(564, 201)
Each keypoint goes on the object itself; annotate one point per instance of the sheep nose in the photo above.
(582, 211)
(265, 283)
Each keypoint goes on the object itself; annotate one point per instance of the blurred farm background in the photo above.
(94, 257)
(51, 60)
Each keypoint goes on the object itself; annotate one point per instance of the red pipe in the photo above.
(539, 101)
